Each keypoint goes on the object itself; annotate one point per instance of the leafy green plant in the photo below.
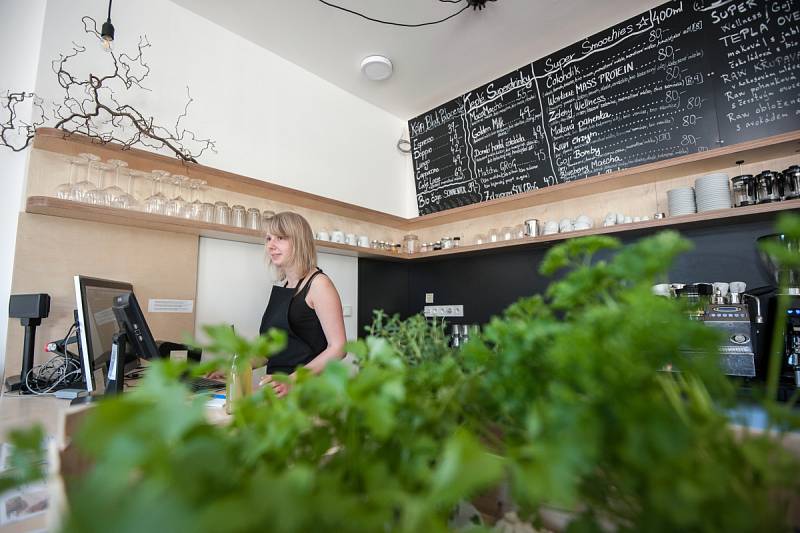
(571, 395)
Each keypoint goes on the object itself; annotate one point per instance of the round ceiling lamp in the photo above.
(376, 68)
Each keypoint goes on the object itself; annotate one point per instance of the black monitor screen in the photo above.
(95, 299)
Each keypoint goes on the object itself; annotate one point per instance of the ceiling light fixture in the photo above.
(478, 4)
(376, 68)
(107, 31)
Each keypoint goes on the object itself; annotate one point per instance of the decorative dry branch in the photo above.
(92, 108)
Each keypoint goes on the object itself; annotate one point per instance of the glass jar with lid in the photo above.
(410, 244)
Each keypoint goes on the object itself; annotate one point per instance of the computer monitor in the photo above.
(131, 319)
(97, 322)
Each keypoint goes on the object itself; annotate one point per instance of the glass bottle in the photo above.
(239, 384)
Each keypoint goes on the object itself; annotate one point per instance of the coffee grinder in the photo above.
(787, 323)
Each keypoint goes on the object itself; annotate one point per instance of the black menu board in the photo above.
(630, 95)
(755, 47)
(663, 84)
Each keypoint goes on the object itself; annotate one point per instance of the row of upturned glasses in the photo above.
(87, 183)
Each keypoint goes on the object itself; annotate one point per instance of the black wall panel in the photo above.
(487, 283)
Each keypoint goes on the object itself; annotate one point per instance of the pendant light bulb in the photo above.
(107, 32)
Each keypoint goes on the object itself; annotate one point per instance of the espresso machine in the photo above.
(786, 287)
(713, 306)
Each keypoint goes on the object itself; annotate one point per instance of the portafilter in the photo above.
(785, 276)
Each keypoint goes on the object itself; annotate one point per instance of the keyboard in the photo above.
(205, 384)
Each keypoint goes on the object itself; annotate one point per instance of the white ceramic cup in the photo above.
(722, 286)
(661, 289)
(363, 241)
(350, 239)
(337, 236)
(737, 286)
(323, 236)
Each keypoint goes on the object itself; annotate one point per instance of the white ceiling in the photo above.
(433, 64)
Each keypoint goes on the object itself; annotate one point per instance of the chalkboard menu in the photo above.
(678, 79)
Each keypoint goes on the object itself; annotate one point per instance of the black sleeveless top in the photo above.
(304, 321)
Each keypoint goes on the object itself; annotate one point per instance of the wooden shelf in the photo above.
(785, 145)
(707, 219)
(54, 140)
(774, 147)
(44, 205)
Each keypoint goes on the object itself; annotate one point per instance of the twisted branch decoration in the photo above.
(90, 107)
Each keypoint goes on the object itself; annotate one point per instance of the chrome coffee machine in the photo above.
(786, 288)
(717, 308)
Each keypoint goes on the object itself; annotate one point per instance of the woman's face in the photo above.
(279, 250)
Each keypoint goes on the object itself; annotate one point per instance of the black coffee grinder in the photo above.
(783, 313)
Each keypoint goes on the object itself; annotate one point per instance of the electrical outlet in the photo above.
(443, 310)
(428, 297)
(347, 310)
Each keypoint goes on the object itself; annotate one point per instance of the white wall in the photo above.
(271, 119)
(21, 23)
(233, 285)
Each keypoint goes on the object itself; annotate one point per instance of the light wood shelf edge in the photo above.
(44, 205)
(752, 151)
(54, 140)
(710, 217)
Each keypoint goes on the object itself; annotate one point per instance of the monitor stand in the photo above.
(116, 365)
(116, 370)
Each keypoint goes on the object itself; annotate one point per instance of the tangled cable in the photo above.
(60, 370)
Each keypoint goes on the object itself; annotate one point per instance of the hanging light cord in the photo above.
(109, 10)
(399, 23)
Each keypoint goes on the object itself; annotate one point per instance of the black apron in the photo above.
(297, 351)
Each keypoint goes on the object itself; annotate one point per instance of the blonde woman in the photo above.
(306, 304)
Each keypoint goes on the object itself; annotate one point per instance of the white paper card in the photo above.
(161, 305)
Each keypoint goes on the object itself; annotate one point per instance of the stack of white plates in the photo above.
(712, 192)
(681, 201)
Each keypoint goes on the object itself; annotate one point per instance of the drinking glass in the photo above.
(254, 219)
(86, 184)
(98, 195)
(176, 206)
(114, 191)
(222, 213)
(194, 209)
(128, 200)
(207, 211)
(64, 191)
(156, 203)
(238, 216)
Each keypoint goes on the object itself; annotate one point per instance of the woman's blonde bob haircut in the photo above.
(294, 227)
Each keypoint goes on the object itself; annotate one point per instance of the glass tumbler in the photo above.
(222, 213)
(238, 216)
(254, 219)
(207, 212)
